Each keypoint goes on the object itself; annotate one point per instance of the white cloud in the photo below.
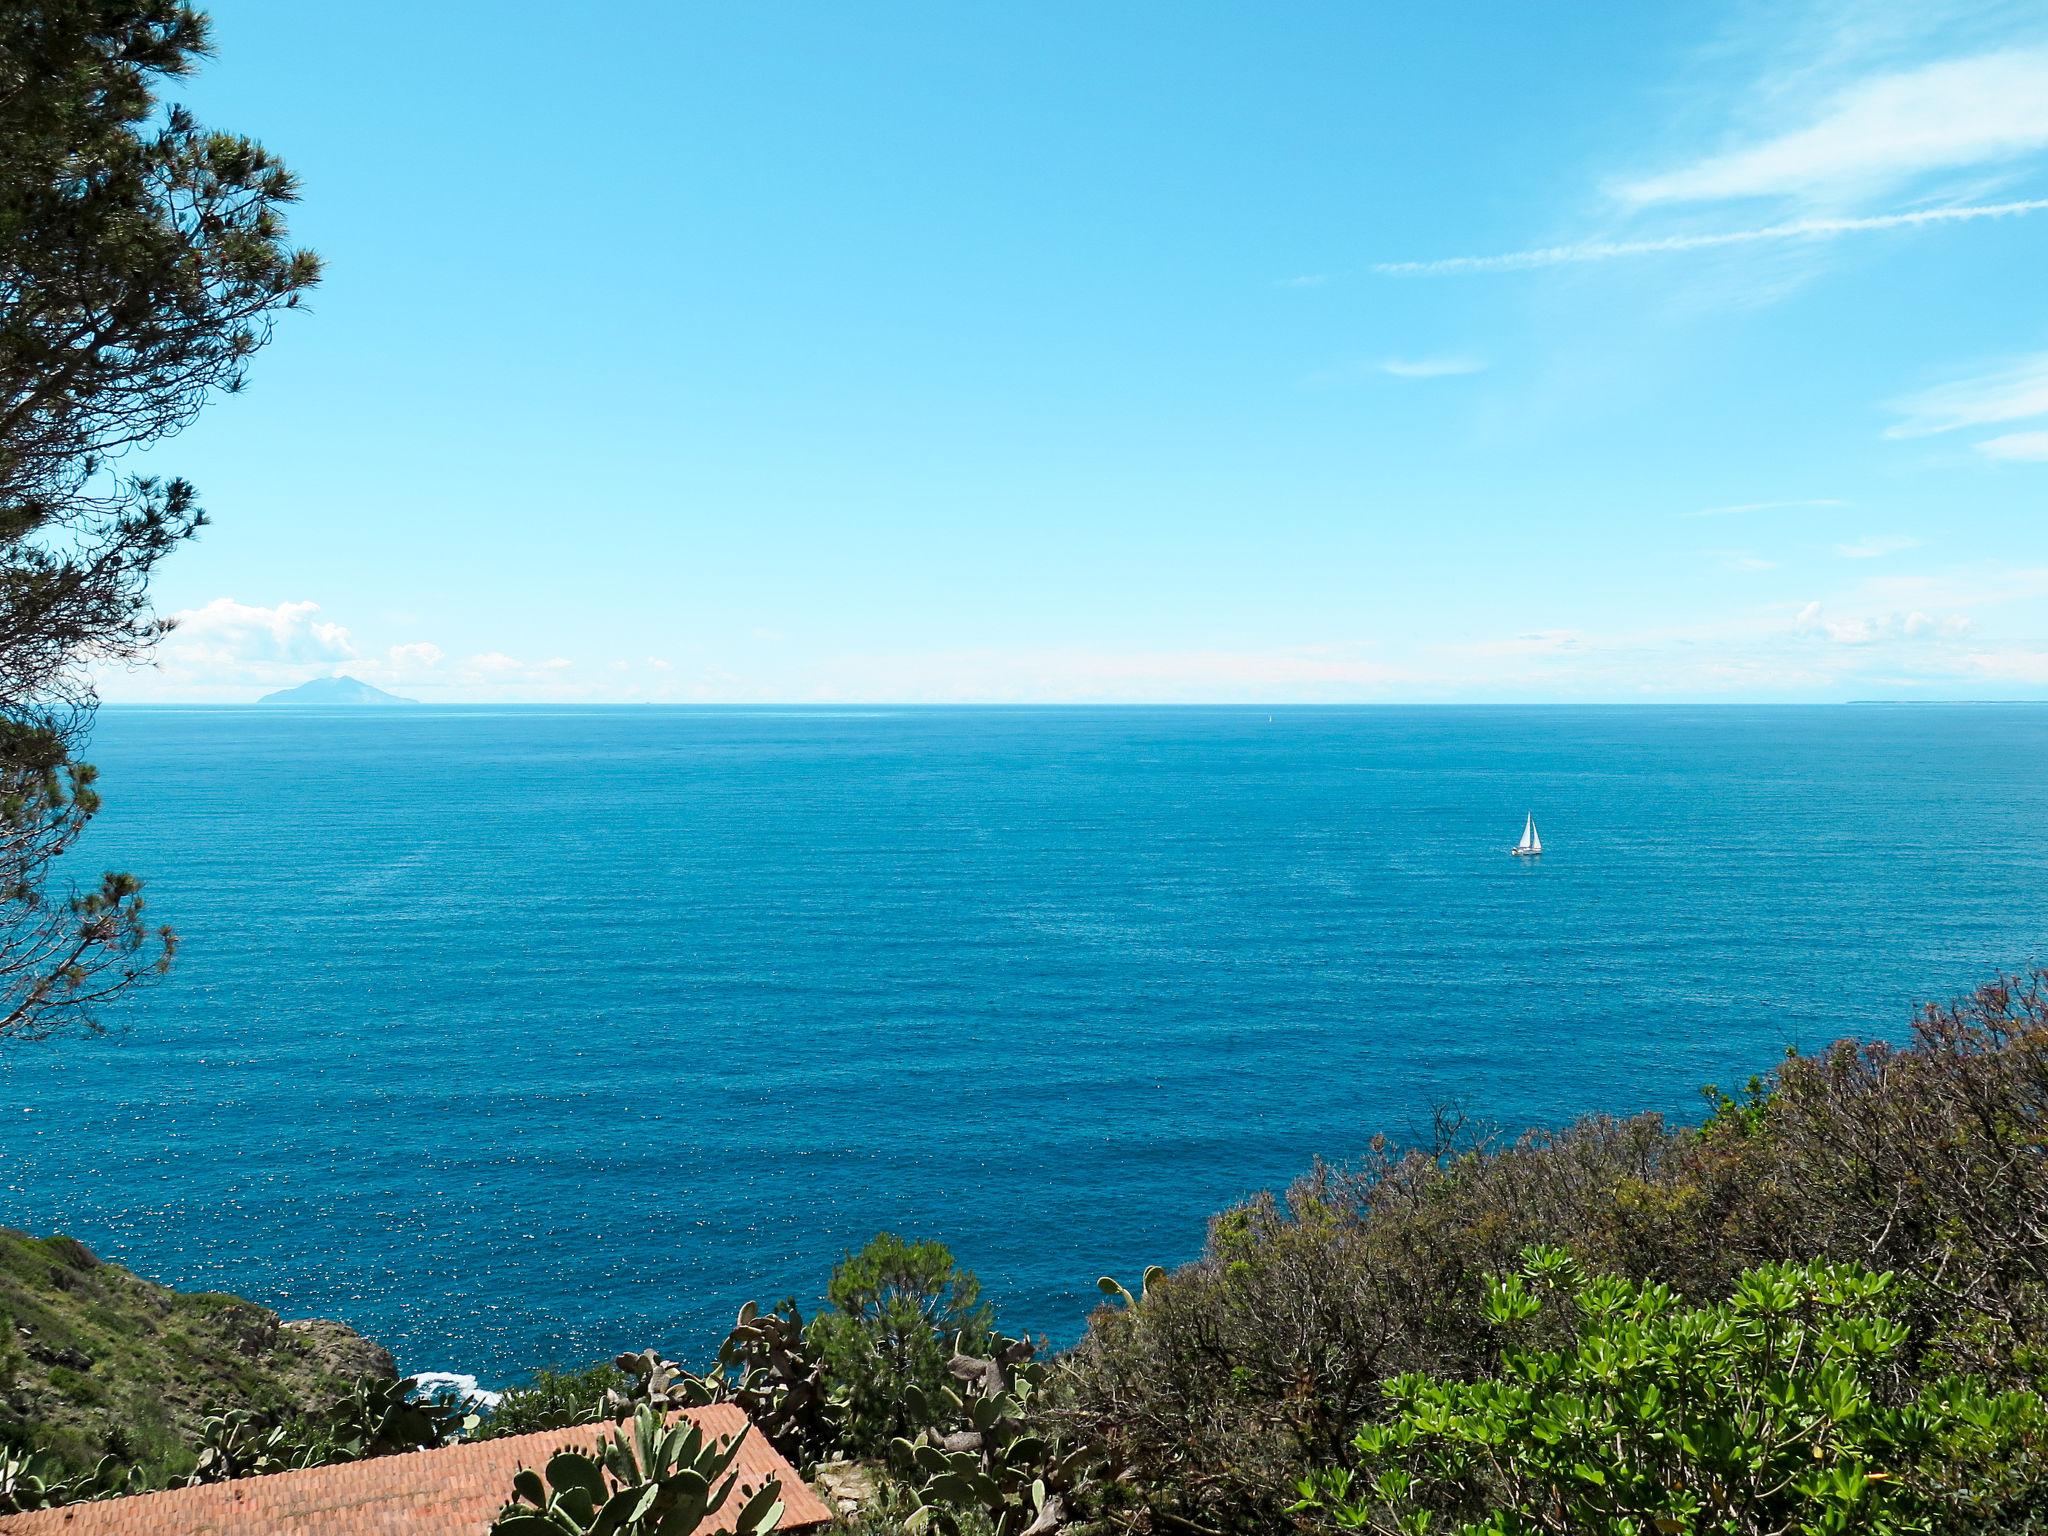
(1308, 280)
(2012, 393)
(2031, 447)
(1877, 548)
(1742, 507)
(1878, 133)
(226, 632)
(659, 663)
(1741, 562)
(1858, 629)
(1791, 229)
(1950, 625)
(1432, 367)
(230, 650)
(2020, 664)
(1935, 108)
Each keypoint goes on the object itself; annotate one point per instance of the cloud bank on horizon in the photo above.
(1729, 381)
(1885, 635)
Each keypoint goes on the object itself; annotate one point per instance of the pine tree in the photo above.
(142, 260)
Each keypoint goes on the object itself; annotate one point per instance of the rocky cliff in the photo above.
(95, 1360)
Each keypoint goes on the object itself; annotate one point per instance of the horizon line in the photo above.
(404, 705)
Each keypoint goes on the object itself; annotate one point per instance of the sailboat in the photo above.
(1531, 845)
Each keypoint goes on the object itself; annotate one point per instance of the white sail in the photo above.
(1535, 842)
(1528, 843)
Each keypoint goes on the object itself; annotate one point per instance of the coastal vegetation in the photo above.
(899, 1311)
(1821, 1308)
(1253, 1367)
(1780, 1408)
(96, 1363)
(1824, 1307)
(652, 1476)
(554, 1400)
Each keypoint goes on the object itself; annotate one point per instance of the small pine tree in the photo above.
(898, 1312)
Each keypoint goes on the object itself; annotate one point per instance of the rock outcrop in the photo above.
(335, 1349)
(95, 1360)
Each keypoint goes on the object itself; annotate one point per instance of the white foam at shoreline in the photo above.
(428, 1383)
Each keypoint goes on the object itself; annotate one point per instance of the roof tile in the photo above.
(454, 1491)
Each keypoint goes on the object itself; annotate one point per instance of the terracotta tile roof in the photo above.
(455, 1491)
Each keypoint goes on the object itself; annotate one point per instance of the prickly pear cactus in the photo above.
(993, 1459)
(652, 1477)
(651, 1382)
(1109, 1285)
(35, 1482)
(377, 1418)
(380, 1418)
(771, 1369)
(767, 1366)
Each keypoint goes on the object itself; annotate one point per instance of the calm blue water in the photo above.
(518, 1037)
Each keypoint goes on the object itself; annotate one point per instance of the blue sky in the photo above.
(1326, 352)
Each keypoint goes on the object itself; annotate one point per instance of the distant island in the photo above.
(333, 690)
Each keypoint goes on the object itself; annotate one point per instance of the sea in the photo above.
(518, 1037)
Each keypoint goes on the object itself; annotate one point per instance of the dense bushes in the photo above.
(1354, 1332)
(1780, 1409)
(554, 1400)
(1928, 1161)
(1240, 1372)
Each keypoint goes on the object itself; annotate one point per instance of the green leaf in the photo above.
(572, 1469)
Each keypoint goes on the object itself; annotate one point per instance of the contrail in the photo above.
(1797, 229)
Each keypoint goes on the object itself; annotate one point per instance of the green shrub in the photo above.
(898, 1313)
(1237, 1373)
(76, 1386)
(553, 1400)
(70, 1252)
(1784, 1408)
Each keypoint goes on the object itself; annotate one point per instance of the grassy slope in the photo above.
(95, 1360)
